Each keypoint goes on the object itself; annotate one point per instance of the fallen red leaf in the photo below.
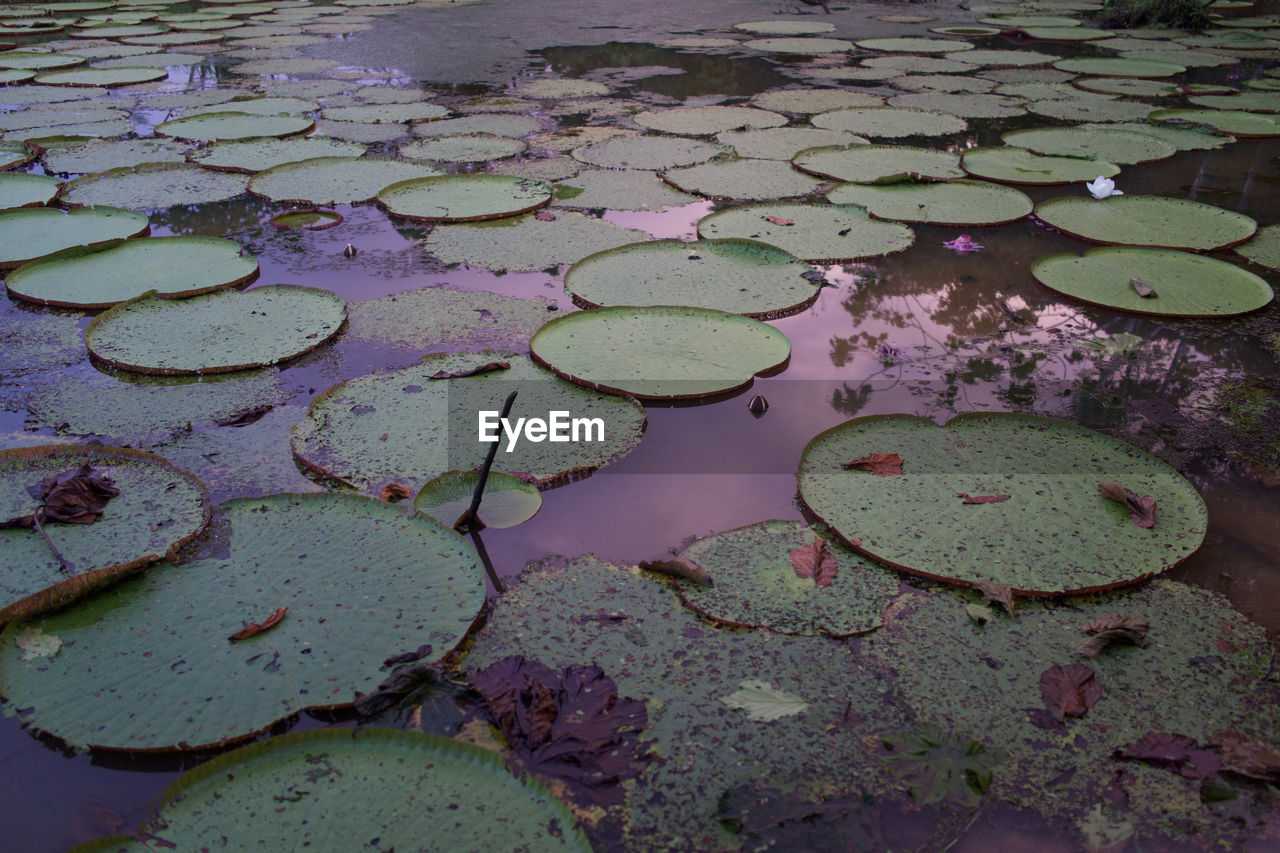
(395, 492)
(1142, 510)
(983, 499)
(1247, 756)
(1178, 753)
(258, 627)
(1069, 691)
(815, 561)
(880, 464)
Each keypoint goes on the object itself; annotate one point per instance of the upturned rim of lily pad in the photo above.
(329, 218)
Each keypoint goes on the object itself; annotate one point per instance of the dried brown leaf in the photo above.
(1142, 510)
(1112, 628)
(258, 627)
(997, 593)
(77, 497)
(395, 492)
(1143, 289)
(1069, 691)
(677, 568)
(474, 371)
(983, 499)
(880, 464)
(778, 220)
(815, 561)
(1246, 756)
(1175, 752)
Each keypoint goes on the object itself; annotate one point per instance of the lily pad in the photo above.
(431, 424)
(816, 233)
(101, 276)
(1264, 248)
(256, 155)
(1133, 87)
(346, 568)
(152, 186)
(754, 584)
(890, 122)
(1004, 58)
(158, 507)
(99, 155)
(28, 235)
(914, 45)
(1054, 535)
(659, 352)
(1115, 146)
(507, 500)
(255, 106)
(1234, 122)
(1092, 109)
(800, 45)
(1153, 221)
(224, 126)
(308, 219)
(463, 198)
(1181, 138)
(1011, 165)
(782, 143)
(217, 332)
(1184, 285)
(960, 202)
(737, 276)
(469, 148)
(325, 775)
(386, 113)
(334, 180)
(1066, 33)
(706, 121)
(1102, 66)
(646, 152)
(618, 189)
(37, 60)
(24, 190)
(808, 101)
(527, 243)
(962, 105)
(105, 77)
(515, 126)
(1252, 102)
(871, 164)
(748, 180)
(562, 89)
(784, 28)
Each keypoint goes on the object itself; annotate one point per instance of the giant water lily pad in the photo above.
(256, 155)
(960, 202)
(99, 155)
(890, 122)
(360, 580)
(1103, 66)
(105, 77)
(217, 332)
(527, 243)
(507, 500)
(1054, 533)
(914, 45)
(1263, 248)
(158, 507)
(386, 113)
(659, 352)
(1184, 285)
(255, 106)
(102, 276)
(227, 126)
(1181, 138)
(755, 583)
(514, 126)
(979, 105)
(748, 180)
(1252, 102)
(334, 180)
(817, 233)
(705, 121)
(782, 143)
(808, 101)
(430, 425)
(618, 189)
(1154, 221)
(870, 164)
(738, 276)
(646, 152)
(1091, 108)
(24, 190)
(1115, 146)
(463, 148)
(801, 45)
(27, 235)
(14, 154)
(1235, 122)
(463, 198)
(325, 777)
(784, 28)
(1011, 165)
(152, 186)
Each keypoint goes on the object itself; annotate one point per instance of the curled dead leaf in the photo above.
(1142, 510)
(1143, 289)
(677, 568)
(997, 593)
(259, 627)
(815, 561)
(1246, 756)
(1069, 691)
(1112, 628)
(1175, 752)
(983, 499)
(393, 492)
(880, 464)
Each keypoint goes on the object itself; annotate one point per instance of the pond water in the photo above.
(926, 331)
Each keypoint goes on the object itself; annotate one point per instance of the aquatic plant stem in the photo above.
(469, 520)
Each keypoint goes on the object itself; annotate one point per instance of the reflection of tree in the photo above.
(850, 400)
(216, 219)
(704, 74)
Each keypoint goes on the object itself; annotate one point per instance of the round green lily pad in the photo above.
(808, 101)
(562, 89)
(1133, 87)
(800, 45)
(754, 582)
(1054, 534)
(469, 148)
(217, 332)
(463, 198)
(222, 126)
(782, 143)
(14, 154)
(1237, 123)
(646, 152)
(99, 155)
(738, 276)
(743, 179)
(817, 233)
(1066, 33)
(326, 776)
(1004, 58)
(784, 28)
(1019, 166)
(960, 202)
(105, 77)
(1184, 285)
(890, 122)
(1115, 146)
(914, 45)
(962, 105)
(24, 190)
(617, 189)
(9, 76)
(1263, 248)
(152, 186)
(966, 30)
(1181, 138)
(507, 500)
(1009, 22)
(27, 235)
(359, 579)
(33, 60)
(659, 352)
(515, 126)
(1091, 108)
(255, 106)
(1102, 66)
(526, 242)
(1152, 221)
(334, 180)
(256, 155)
(705, 121)
(385, 113)
(158, 508)
(431, 425)
(915, 64)
(101, 276)
(308, 219)
(118, 32)
(871, 164)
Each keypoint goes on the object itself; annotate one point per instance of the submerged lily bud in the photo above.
(758, 405)
(350, 251)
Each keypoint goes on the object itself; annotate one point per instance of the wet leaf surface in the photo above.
(1142, 509)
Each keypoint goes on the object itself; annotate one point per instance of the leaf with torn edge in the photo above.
(880, 464)
(1069, 691)
(77, 497)
(1142, 510)
(258, 627)
(474, 371)
(763, 701)
(35, 644)
(677, 568)
(393, 492)
(997, 593)
(1175, 752)
(1246, 756)
(983, 499)
(1112, 628)
(815, 561)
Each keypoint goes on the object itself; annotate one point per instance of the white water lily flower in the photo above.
(1102, 187)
